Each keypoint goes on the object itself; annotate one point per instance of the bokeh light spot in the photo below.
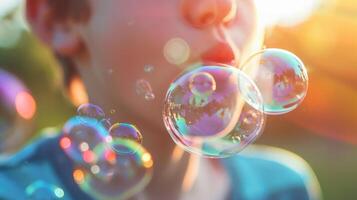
(78, 175)
(25, 105)
(65, 143)
(59, 192)
(177, 51)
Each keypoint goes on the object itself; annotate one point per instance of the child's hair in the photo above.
(73, 10)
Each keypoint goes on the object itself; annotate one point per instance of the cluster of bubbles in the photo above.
(110, 161)
(216, 111)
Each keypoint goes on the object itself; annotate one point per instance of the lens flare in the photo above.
(90, 111)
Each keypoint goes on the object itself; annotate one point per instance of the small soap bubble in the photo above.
(116, 176)
(124, 131)
(202, 84)
(148, 68)
(88, 111)
(143, 88)
(280, 76)
(207, 111)
(149, 96)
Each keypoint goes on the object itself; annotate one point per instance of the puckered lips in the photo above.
(222, 53)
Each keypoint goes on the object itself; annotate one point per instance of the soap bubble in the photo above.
(214, 111)
(112, 111)
(149, 68)
(116, 176)
(124, 131)
(143, 88)
(79, 139)
(280, 76)
(149, 96)
(202, 84)
(87, 111)
(40, 190)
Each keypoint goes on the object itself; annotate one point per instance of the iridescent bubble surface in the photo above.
(9, 89)
(280, 76)
(89, 110)
(124, 131)
(110, 160)
(79, 139)
(213, 111)
(202, 84)
(116, 176)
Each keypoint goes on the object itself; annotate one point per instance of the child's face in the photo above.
(122, 37)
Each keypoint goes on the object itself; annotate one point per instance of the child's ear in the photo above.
(59, 34)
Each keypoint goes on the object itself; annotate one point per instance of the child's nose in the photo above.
(205, 13)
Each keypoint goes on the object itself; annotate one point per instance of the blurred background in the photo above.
(323, 130)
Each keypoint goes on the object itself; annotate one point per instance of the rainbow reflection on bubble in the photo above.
(202, 84)
(43, 190)
(79, 139)
(124, 131)
(214, 111)
(116, 176)
(280, 76)
(110, 161)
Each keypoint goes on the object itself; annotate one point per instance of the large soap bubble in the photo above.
(280, 76)
(214, 111)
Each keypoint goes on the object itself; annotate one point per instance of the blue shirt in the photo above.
(258, 173)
